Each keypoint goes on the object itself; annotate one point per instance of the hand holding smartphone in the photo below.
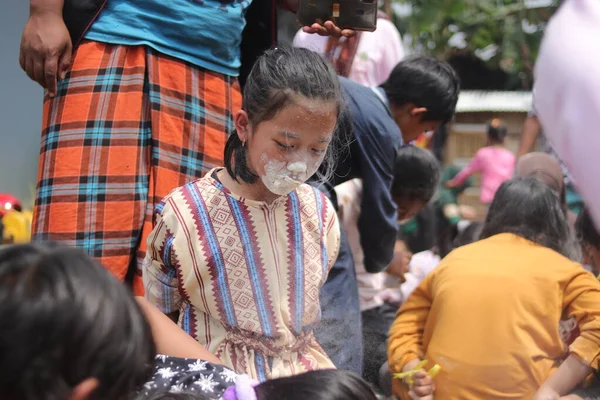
(358, 15)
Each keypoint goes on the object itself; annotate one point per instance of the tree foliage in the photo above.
(506, 34)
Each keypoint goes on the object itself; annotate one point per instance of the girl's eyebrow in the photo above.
(292, 135)
(289, 135)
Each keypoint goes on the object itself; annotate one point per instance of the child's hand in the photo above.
(328, 29)
(423, 387)
(400, 264)
(467, 212)
(546, 393)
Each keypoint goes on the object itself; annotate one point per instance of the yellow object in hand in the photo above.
(409, 376)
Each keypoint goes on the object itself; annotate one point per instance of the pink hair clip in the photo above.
(242, 390)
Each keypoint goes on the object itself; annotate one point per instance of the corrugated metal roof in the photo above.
(482, 101)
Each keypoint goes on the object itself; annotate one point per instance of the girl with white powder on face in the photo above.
(238, 257)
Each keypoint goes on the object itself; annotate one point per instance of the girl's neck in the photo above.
(251, 191)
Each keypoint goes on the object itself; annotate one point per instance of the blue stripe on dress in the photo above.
(215, 254)
(324, 256)
(299, 262)
(186, 318)
(167, 252)
(259, 361)
(257, 284)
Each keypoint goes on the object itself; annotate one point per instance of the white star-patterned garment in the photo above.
(181, 375)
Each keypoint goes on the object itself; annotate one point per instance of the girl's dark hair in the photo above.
(317, 385)
(63, 319)
(424, 82)
(496, 131)
(416, 174)
(277, 76)
(532, 210)
(586, 229)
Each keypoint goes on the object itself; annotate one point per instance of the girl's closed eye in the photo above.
(283, 146)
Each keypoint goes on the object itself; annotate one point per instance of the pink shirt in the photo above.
(377, 54)
(496, 165)
(567, 93)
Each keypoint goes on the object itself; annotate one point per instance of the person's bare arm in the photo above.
(531, 131)
(570, 374)
(170, 339)
(46, 44)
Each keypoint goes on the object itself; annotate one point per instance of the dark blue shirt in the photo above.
(374, 144)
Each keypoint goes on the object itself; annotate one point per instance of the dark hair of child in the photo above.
(496, 131)
(65, 319)
(532, 210)
(416, 175)
(424, 82)
(317, 385)
(277, 77)
(586, 229)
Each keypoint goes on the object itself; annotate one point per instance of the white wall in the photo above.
(20, 108)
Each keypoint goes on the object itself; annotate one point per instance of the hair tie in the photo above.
(242, 390)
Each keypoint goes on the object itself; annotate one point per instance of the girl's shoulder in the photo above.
(184, 375)
(203, 189)
(311, 196)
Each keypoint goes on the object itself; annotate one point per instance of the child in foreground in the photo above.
(490, 344)
(495, 162)
(239, 256)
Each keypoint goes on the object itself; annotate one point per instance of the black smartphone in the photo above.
(359, 15)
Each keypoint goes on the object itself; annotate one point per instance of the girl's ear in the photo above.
(418, 112)
(84, 390)
(242, 125)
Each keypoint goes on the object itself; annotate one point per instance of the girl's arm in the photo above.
(406, 335)
(581, 300)
(570, 374)
(170, 340)
(474, 166)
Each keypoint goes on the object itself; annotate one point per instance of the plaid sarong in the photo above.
(127, 126)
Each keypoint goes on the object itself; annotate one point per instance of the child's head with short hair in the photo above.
(532, 210)
(423, 93)
(546, 168)
(496, 131)
(589, 238)
(287, 126)
(317, 385)
(68, 329)
(416, 176)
